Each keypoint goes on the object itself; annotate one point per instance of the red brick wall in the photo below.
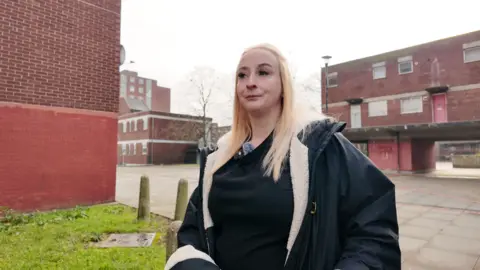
(164, 129)
(355, 77)
(423, 155)
(55, 158)
(463, 105)
(60, 53)
(157, 153)
(160, 99)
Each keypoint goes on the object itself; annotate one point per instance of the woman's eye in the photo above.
(263, 73)
(241, 75)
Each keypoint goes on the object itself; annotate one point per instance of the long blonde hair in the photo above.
(285, 128)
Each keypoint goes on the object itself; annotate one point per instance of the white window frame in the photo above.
(472, 46)
(379, 66)
(140, 81)
(132, 79)
(140, 90)
(145, 123)
(124, 149)
(403, 60)
(405, 107)
(378, 108)
(127, 150)
(144, 149)
(331, 75)
(132, 88)
(134, 145)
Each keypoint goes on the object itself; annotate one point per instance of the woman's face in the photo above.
(259, 86)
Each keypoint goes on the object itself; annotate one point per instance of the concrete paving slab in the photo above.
(468, 221)
(428, 223)
(456, 244)
(418, 232)
(462, 232)
(409, 244)
(440, 259)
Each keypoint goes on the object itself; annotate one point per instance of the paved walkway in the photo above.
(439, 218)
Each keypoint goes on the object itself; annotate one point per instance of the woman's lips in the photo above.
(253, 97)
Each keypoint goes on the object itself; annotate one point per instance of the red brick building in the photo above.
(142, 94)
(397, 104)
(159, 138)
(59, 85)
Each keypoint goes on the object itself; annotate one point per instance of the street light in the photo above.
(326, 58)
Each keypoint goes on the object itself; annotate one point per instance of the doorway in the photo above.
(439, 106)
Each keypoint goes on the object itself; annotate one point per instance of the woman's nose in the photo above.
(251, 83)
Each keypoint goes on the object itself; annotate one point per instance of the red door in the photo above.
(439, 108)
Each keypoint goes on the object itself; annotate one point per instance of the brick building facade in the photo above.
(436, 82)
(58, 102)
(158, 138)
(142, 94)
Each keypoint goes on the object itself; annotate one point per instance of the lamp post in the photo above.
(326, 58)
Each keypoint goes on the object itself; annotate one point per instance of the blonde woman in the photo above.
(284, 192)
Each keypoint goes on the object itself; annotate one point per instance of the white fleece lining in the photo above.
(184, 253)
(300, 185)
(299, 174)
(207, 185)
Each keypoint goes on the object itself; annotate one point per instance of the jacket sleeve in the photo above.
(192, 252)
(367, 214)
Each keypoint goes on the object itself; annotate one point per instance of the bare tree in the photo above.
(310, 91)
(204, 80)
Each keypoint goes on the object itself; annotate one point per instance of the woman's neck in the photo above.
(263, 125)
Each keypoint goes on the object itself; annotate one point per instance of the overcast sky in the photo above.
(166, 39)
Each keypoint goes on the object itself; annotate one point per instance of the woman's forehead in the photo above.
(257, 56)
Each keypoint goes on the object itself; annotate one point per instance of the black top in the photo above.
(252, 214)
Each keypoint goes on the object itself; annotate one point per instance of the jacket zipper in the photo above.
(208, 244)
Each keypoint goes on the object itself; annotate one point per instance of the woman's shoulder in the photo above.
(318, 133)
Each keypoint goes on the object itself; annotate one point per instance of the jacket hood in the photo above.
(318, 133)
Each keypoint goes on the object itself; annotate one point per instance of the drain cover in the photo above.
(127, 240)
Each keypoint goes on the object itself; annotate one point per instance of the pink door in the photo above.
(439, 108)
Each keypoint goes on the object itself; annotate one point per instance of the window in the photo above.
(405, 65)
(134, 146)
(144, 148)
(133, 126)
(471, 54)
(132, 88)
(132, 79)
(377, 108)
(332, 79)
(127, 149)
(124, 125)
(124, 149)
(379, 70)
(145, 123)
(140, 90)
(123, 78)
(411, 105)
(140, 81)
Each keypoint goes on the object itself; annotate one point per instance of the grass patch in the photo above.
(61, 239)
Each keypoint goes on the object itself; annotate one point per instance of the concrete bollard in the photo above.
(172, 243)
(144, 199)
(182, 200)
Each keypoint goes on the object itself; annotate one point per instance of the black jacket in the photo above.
(349, 219)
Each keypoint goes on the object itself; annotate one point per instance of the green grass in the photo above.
(62, 240)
